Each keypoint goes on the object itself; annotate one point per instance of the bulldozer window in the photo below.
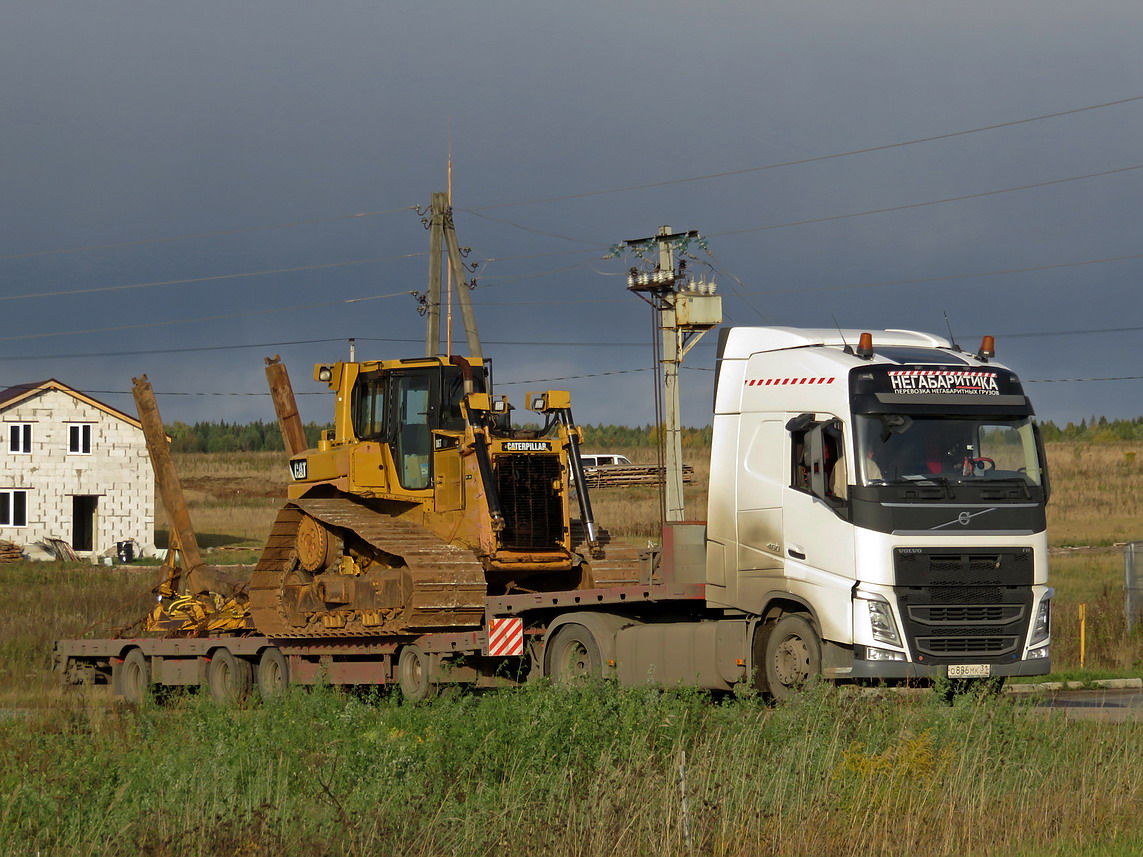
(369, 406)
(414, 439)
(453, 394)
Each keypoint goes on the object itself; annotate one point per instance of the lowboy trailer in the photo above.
(876, 513)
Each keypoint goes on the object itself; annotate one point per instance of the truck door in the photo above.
(819, 545)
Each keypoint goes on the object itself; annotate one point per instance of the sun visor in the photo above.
(906, 389)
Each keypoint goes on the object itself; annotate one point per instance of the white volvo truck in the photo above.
(876, 512)
(885, 493)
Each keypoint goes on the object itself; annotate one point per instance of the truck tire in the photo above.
(273, 672)
(132, 677)
(414, 671)
(787, 656)
(228, 679)
(573, 656)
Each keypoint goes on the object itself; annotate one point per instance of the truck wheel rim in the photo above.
(792, 661)
(576, 660)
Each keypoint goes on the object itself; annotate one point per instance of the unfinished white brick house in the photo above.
(73, 468)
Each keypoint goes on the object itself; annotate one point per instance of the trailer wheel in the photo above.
(787, 656)
(413, 674)
(228, 679)
(132, 678)
(273, 672)
(573, 656)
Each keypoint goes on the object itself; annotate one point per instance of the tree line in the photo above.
(234, 437)
(1095, 430)
(265, 436)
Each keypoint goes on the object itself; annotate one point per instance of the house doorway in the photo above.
(83, 507)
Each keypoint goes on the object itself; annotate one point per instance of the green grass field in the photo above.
(595, 770)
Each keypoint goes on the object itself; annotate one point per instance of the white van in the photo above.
(604, 459)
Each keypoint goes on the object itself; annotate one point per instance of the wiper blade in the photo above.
(928, 479)
(1007, 480)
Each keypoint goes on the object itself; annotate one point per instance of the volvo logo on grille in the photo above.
(964, 518)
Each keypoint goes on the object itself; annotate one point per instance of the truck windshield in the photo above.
(895, 448)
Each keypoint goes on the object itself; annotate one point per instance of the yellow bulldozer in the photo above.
(422, 501)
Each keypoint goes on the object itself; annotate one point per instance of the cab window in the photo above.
(413, 440)
(818, 464)
(369, 406)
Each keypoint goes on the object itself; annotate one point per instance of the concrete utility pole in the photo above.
(442, 236)
(687, 309)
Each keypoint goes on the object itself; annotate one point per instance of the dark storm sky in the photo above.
(184, 176)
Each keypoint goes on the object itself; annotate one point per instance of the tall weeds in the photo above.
(587, 771)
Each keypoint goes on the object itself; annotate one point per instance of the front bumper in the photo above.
(908, 670)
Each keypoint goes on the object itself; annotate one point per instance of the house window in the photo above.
(20, 437)
(13, 508)
(79, 438)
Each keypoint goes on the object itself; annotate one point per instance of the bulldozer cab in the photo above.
(423, 440)
(401, 404)
(389, 417)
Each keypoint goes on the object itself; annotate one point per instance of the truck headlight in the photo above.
(882, 622)
(872, 653)
(1041, 626)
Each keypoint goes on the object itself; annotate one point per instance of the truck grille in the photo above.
(964, 606)
(530, 501)
(966, 614)
(966, 646)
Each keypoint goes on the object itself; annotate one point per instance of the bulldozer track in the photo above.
(448, 583)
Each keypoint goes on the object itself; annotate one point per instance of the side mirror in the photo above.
(800, 423)
(1044, 480)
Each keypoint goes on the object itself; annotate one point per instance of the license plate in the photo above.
(970, 670)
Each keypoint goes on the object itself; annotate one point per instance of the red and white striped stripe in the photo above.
(782, 382)
(964, 374)
(506, 637)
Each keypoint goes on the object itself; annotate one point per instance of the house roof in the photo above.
(22, 392)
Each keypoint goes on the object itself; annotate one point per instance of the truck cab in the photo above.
(890, 488)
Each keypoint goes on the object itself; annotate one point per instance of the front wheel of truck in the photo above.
(787, 656)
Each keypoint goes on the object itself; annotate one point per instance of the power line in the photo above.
(573, 377)
(864, 151)
(539, 343)
(1082, 380)
(1070, 332)
(90, 355)
(477, 210)
(96, 289)
(212, 393)
(201, 318)
(923, 204)
(946, 277)
(502, 279)
(212, 234)
(105, 354)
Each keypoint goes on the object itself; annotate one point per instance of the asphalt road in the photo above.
(1109, 705)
